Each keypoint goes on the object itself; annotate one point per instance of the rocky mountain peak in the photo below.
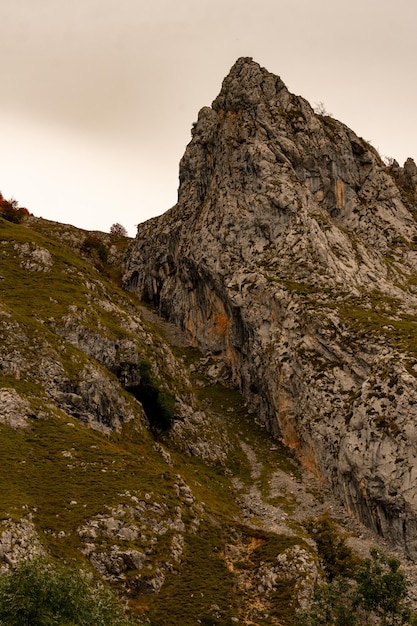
(291, 256)
(246, 86)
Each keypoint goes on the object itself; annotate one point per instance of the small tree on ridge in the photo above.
(118, 229)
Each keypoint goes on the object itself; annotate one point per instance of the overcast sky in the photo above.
(98, 97)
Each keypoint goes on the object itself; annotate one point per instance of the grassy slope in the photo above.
(62, 473)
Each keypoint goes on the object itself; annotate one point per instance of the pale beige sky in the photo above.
(98, 96)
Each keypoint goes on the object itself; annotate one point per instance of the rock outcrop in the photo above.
(291, 254)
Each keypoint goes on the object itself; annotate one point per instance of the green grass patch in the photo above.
(43, 295)
(204, 581)
(228, 404)
(58, 461)
(210, 486)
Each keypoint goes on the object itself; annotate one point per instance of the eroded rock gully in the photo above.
(291, 253)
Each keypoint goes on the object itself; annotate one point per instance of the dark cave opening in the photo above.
(158, 404)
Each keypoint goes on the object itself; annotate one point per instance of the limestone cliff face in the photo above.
(291, 254)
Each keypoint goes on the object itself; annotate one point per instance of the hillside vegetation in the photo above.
(161, 513)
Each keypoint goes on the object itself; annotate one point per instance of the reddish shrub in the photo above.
(11, 211)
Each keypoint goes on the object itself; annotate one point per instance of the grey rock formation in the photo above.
(143, 522)
(14, 410)
(18, 540)
(292, 255)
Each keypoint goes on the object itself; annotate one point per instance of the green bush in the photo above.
(93, 246)
(337, 558)
(39, 593)
(382, 588)
(377, 593)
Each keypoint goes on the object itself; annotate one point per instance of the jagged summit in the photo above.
(291, 254)
(246, 85)
(262, 151)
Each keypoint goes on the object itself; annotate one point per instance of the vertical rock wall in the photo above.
(290, 254)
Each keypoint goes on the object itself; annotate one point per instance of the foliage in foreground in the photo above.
(39, 593)
(376, 594)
